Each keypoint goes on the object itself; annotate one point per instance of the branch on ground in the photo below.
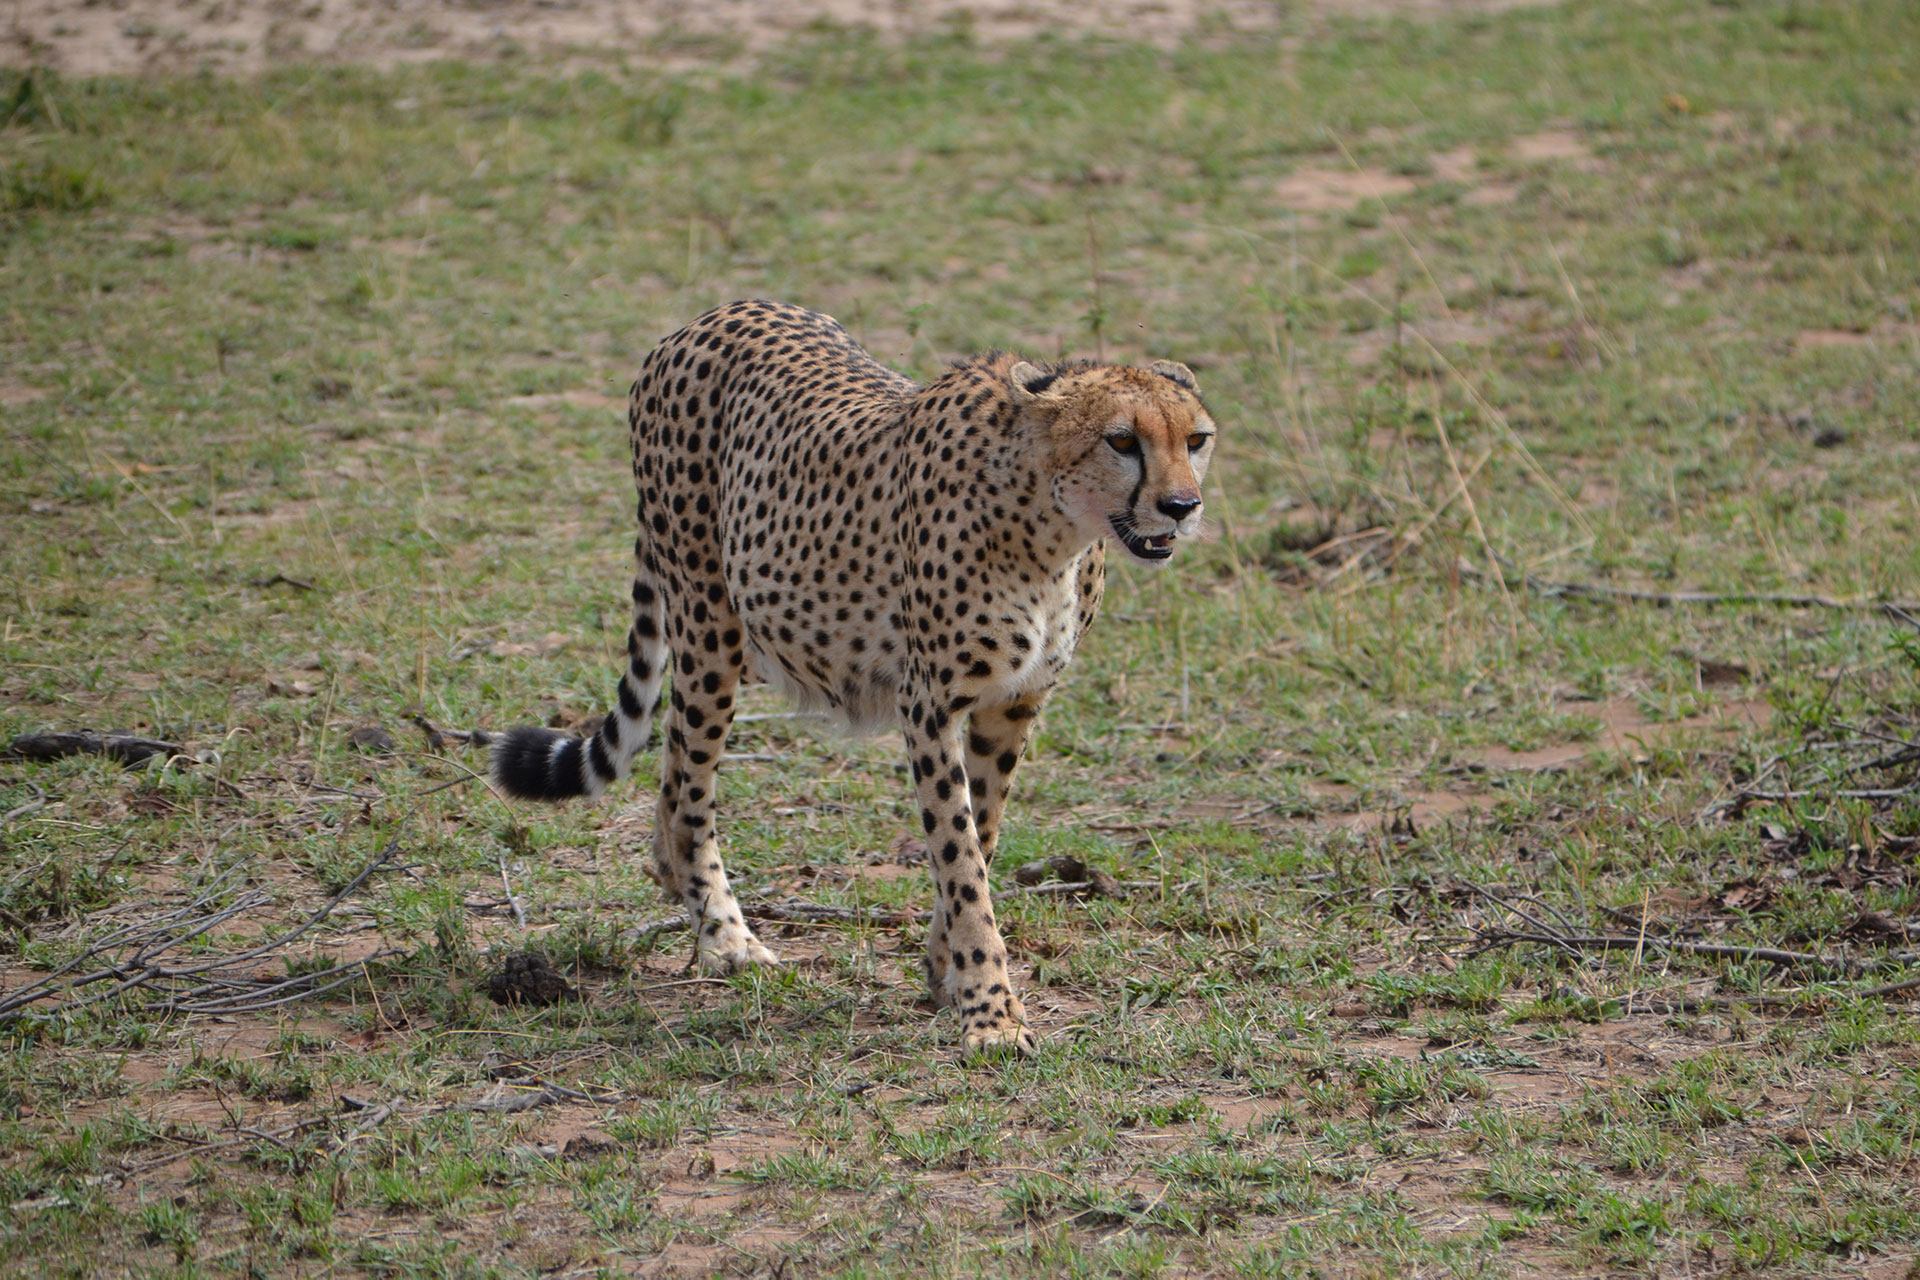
(135, 957)
(128, 748)
(1900, 610)
(1831, 966)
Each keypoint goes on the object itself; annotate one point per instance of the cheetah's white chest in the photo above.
(1042, 631)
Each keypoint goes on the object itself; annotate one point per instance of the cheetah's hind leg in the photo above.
(686, 849)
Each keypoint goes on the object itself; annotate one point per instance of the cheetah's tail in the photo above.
(539, 764)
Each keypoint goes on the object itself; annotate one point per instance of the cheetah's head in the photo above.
(1127, 449)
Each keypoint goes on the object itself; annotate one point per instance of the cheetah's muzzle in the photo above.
(1158, 547)
(884, 552)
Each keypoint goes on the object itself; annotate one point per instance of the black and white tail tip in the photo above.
(540, 764)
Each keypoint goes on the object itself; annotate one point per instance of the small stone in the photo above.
(1062, 866)
(371, 739)
(530, 1152)
(1067, 869)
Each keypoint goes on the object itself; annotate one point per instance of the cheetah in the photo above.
(882, 552)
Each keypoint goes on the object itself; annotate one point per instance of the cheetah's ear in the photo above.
(1027, 383)
(1174, 371)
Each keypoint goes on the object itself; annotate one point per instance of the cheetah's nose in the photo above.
(1178, 506)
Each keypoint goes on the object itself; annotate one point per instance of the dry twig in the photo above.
(128, 748)
(502, 1100)
(32, 806)
(1489, 940)
(277, 579)
(1837, 967)
(1898, 609)
(438, 738)
(132, 957)
(513, 899)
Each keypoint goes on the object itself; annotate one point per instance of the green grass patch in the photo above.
(311, 386)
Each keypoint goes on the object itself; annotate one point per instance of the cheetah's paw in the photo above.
(724, 961)
(1013, 1038)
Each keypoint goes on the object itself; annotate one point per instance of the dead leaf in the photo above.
(1743, 896)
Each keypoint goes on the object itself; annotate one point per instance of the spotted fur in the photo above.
(880, 551)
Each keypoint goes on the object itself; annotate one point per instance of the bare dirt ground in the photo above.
(114, 37)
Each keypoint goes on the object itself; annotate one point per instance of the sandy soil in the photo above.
(101, 37)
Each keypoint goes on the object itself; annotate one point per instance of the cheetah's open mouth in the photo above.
(1158, 547)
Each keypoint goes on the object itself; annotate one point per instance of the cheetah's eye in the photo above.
(1197, 441)
(1125, 442)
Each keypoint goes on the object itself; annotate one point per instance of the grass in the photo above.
(1643, 276)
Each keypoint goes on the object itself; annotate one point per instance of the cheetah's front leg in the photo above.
(970, 966)
(996, 738)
